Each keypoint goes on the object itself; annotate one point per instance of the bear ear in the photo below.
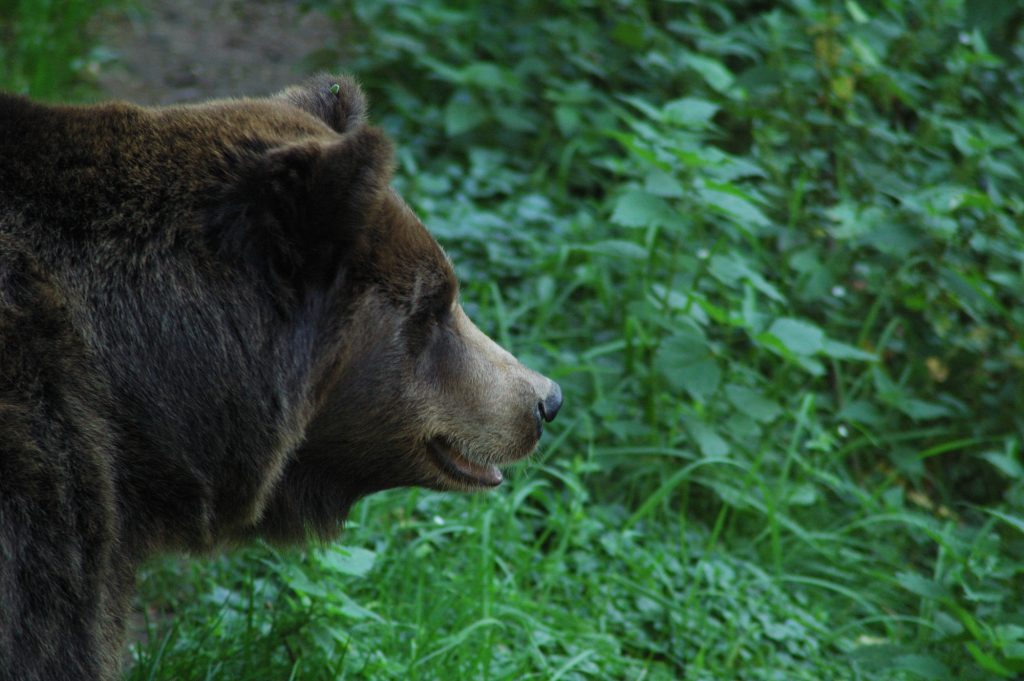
(336, 100)
(295, 211)
(320, 191)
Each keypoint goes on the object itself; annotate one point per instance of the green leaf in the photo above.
(514, 119)
(690, 112)
(838, 350)
(643, 106)
(488, 76)
(701, 378)
(630, 34)
(713, 72)
(298, 580)
(686, 363)
(752, 403)
(732, 268)
(708, 441)
(803, 494)
(856, 12)
(920, 410)
(861, 411)
(921, 586)
(864, 52)
(922, 666)
(354, 610)
(1009, 465)
(640, 209)
(731, 204)
(567, 118)
(798, 336)
(348, 560)
(616, 248)
(989, 662)
(853, 221)
(1013, 521)
(462, 115)
(660, 183)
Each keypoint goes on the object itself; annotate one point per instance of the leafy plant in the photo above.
(44, 47)
(773, 253)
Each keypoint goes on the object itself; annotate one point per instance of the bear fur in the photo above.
(217, 323)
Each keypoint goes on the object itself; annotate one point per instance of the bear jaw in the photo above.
(460, 471)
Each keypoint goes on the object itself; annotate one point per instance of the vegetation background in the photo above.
(774, 253)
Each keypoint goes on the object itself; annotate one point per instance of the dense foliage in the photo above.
(44, 48)
(774, 253)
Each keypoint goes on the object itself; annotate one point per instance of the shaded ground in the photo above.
(191, 50)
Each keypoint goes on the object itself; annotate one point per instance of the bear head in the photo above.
(412, 392)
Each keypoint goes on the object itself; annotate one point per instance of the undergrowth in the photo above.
(45, 48)
(774, 254)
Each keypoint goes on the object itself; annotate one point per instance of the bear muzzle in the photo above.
(489, 413)
(471, 460)
(547, 409)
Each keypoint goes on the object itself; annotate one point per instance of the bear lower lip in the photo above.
(456, 466)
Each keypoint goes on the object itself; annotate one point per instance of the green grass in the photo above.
(44, 47)
(775, 256)
(472, 589)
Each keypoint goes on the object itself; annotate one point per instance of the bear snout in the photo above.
(547, 409)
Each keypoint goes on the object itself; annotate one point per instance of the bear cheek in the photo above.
(370, 401)
(490, 398)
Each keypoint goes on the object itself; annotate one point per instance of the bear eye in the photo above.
(441, 308)
(431, 315)
(437, 306)
(432, 310)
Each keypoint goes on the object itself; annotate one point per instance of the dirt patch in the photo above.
(191, 50)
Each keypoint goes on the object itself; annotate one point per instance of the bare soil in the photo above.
(166, 52)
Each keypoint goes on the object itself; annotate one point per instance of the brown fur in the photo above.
(217, 322)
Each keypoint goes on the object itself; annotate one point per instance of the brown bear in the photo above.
(217, 322)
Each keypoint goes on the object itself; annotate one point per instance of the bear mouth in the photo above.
(458, 468)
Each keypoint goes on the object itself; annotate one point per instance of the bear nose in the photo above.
(550, 405)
